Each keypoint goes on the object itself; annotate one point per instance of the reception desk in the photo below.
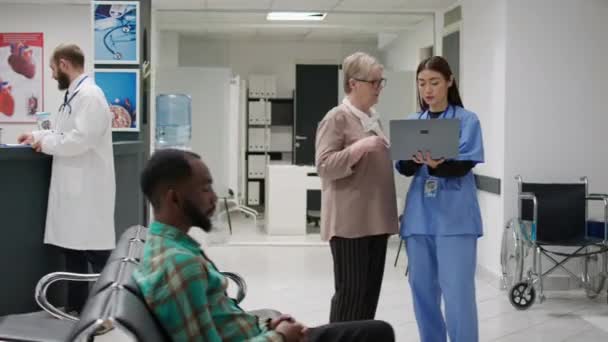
(286, 191)
(24, 187)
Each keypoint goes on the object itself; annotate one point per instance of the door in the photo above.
(316, 93)
(451, 52)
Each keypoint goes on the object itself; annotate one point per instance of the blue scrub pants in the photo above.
(444, 265)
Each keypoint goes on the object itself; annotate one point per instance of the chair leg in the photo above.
(228, 215)
(541, 296)
(398, 252)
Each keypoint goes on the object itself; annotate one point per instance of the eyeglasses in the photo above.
(381, 83)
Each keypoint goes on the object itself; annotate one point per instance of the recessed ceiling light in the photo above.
(304, 16)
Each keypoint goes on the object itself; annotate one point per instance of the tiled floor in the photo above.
(298, 280)
(294, 275)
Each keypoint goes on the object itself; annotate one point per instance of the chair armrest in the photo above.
(240, 283)
(45, 282)
(603, 198)
(531, 197)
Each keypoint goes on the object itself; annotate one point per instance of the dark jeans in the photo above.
(77, 261)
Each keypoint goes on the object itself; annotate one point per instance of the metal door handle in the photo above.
(299, 137)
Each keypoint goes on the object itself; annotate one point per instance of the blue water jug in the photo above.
(173, 121)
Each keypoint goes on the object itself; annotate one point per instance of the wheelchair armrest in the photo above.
(240, 283)
(531, 197)
(45, 282)
(604, 198)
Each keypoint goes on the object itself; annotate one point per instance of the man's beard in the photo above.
(63, 80)
(197, 218)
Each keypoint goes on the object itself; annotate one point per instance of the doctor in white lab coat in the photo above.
(80, 215)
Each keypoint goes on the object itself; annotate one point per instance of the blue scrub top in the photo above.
(455, 209)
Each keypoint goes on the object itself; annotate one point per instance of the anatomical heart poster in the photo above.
(21, 76)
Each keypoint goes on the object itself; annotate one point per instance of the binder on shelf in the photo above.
(253, 193)
(257, 139)
(258, 112)
(256, 166)
(268, 113)
(264, 86)
(270, 86)
(256, 85)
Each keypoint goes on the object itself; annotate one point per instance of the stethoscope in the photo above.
(444, 114)
(67, 101)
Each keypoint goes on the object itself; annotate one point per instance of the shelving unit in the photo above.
(270, 139)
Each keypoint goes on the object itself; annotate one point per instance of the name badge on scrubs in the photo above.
(431, 186)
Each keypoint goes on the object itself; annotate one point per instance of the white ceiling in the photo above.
(347, 20)
(357, 21)
(305, 5)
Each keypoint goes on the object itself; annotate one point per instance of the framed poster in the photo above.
(116, 32)
(121, 88)
(21, 76)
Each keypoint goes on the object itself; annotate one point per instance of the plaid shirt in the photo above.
(187, 293)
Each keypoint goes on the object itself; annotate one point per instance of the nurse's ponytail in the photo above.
(440, 65)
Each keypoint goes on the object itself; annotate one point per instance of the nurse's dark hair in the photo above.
(71, 53)
(165, 167)
(440, 65)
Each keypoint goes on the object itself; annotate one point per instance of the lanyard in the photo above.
(66, 100)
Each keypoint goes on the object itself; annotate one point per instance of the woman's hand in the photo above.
(420, 158)
(362, 146)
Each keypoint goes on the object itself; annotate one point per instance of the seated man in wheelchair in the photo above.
(182, 286)
(552, 219)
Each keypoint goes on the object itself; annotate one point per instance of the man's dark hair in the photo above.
(165, 167)
(71, 53)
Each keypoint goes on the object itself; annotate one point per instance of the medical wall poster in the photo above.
(116, 32)
(121, 87)
(21, 76)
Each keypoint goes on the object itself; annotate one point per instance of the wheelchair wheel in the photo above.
(594, 276)
(522, 295)
(511, 256)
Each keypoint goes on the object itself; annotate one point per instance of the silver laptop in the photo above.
(439, 137)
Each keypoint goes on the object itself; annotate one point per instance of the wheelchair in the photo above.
(553, 218)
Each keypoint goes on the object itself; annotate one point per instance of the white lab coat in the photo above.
(80, 212)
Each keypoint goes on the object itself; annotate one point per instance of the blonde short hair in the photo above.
(358, 65)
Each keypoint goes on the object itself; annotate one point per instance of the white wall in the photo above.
(168, 49)
(483, 43)
(209, 89)
(403, 53)
(60, 24)
(537, 81)
(264, 57)
(556, 90)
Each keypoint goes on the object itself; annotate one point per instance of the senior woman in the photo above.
(358, 192)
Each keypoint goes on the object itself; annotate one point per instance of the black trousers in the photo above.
(357, 331)
(77, 261)
(358, 271)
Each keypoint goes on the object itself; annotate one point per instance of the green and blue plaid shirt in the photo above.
(188, 295)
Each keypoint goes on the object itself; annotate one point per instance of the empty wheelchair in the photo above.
(552, 224)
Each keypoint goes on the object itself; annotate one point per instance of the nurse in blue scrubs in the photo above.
(441, 221)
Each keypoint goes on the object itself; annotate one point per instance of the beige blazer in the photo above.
(358, 199)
